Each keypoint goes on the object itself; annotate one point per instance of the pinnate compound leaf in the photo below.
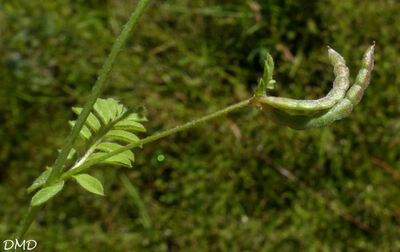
(40, 181)
(108, 127)
(46, 193)
(90, 183)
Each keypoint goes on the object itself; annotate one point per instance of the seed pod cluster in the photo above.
(337, 104)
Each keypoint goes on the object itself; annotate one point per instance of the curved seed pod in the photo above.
(340, 86)
(356, 92)
(353, 96)
(340, 110)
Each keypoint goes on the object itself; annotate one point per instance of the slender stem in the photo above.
(96, 90)
(133, 192)
(59, 164)
(157, 136)
(27, 221)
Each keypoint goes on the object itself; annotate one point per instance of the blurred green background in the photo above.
(239, 183)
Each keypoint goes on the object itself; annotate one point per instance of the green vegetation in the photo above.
(240, 183)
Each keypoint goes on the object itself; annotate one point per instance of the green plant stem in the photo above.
(30, 216)
(96, 90)
(157, 136)
(133, 192)
(59, 164)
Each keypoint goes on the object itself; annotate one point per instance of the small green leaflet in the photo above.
(129, 125)
(119, 159)
(122, 135)
(267, 81)
(124, 158)
(102, 109)
(90, 183)
(40, 181)
(91, 121)
(85, 132)
(46, 193)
